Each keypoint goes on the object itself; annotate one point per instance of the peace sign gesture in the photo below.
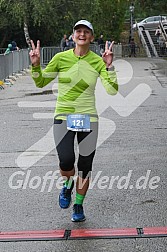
(35, 54)
(107, 56)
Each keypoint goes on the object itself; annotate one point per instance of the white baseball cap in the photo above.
(84, 22)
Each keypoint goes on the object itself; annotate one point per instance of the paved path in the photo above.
(135, 146)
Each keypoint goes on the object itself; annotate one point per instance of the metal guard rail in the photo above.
(13, 63)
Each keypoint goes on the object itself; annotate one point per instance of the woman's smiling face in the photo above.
(82, 35)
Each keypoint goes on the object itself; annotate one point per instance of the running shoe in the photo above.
(65, 196)
(78, 213)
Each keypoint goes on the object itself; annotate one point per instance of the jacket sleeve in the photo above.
(43, 77)
(109, 80)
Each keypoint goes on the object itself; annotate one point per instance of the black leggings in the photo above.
(64, 140)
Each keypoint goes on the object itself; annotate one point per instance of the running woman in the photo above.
(75, 114)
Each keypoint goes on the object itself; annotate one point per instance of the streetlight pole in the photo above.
(131, 9)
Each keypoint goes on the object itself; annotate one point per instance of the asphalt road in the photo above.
(132, 143)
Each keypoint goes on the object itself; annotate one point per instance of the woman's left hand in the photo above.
(107, 56)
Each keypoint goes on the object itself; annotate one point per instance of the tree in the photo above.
(110, 18)
(31, 13)
(48, 20)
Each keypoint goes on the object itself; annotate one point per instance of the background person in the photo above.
(100, 40)
(158, 33)
(71, 42)
(100, 43)
(14, 46)
(9, 49)
(132, 48)
(63, 42)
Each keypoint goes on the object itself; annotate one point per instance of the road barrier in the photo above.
(48, 52)
(17, 61)
(126, 51)
(13, 63)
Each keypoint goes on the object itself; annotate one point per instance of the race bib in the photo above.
(77, 122)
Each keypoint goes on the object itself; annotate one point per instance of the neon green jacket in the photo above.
(77, 77)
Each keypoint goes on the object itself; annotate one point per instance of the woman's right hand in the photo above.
(35, 54)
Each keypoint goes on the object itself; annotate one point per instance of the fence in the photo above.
(126, 51)
(48, 52)
(13, 63)
(17, 61)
